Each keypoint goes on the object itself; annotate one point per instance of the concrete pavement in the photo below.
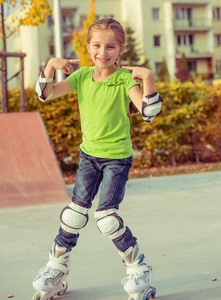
(176, 219)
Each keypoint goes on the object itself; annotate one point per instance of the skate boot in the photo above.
(139, 275)
(51, 279)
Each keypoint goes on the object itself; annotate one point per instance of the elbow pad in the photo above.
(41, 85)
(151, 106)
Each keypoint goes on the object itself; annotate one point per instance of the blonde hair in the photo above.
(110, 24)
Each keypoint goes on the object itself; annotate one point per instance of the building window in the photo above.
(184, 14)
(217, 40)
(155, 13)
(192, 66)
(51, 50)
(218, 66)
(191, 39)
(67, 23)
(183, 40)
(217, 13)
(156, 40)
(180, 13)
(50, 21)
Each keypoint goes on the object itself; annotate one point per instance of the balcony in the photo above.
(194, 24)
(193, 51)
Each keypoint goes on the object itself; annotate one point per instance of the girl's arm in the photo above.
(149, 103)
(45, 88)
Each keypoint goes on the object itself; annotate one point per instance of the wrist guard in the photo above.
(41, 85)
(151, 106)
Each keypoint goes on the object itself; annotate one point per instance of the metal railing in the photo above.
(196, 49)
(194, 23)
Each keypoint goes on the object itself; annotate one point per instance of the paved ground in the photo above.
(177, 221)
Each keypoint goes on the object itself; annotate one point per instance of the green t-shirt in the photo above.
(103, 110)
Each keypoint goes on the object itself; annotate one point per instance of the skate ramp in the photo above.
(29, 171)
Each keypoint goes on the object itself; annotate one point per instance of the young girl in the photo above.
(105, 92)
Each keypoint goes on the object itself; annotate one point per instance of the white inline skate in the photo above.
(139, 275)
(51, 280)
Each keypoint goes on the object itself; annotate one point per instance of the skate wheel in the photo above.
(153, 294)
(65, 287)
(36, 296)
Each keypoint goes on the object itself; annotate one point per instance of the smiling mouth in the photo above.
(103, 60)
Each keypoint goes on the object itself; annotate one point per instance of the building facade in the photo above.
(164, 29)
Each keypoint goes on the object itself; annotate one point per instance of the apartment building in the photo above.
(172, 28)
(163, 29)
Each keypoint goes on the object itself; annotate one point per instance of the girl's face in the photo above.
(104, 48)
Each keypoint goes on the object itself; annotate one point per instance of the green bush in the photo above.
(186, 130)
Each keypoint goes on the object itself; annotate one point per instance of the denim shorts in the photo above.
(113, 173)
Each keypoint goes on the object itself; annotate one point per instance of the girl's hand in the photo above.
(65, 65)
(143, 75)
(139, 73)
(63, 87)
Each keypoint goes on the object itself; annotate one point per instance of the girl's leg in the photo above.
(115, 176)
(139, 269)
(73, 217)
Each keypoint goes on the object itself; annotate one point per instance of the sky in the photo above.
(6, 11)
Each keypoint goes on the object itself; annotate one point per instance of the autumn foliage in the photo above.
(31, 13)
(186, 130)
(80, 35)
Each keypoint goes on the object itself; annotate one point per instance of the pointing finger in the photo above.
(74, 61)
(128, 68)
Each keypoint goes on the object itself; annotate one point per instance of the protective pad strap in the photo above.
(151, 106)
(43, 79)
(60, 263)
(41, 85)
(132, 268)
(110, 224)
(103, 213)
(57, 266)
(81, 209)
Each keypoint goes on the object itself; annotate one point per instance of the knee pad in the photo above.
(73, 217)
(110, 224)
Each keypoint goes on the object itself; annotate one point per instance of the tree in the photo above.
(163, 74)
(131, 55)
(79, 37)
(32, 13)
(183, 73)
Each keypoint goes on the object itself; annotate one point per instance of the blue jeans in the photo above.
(113, 173)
